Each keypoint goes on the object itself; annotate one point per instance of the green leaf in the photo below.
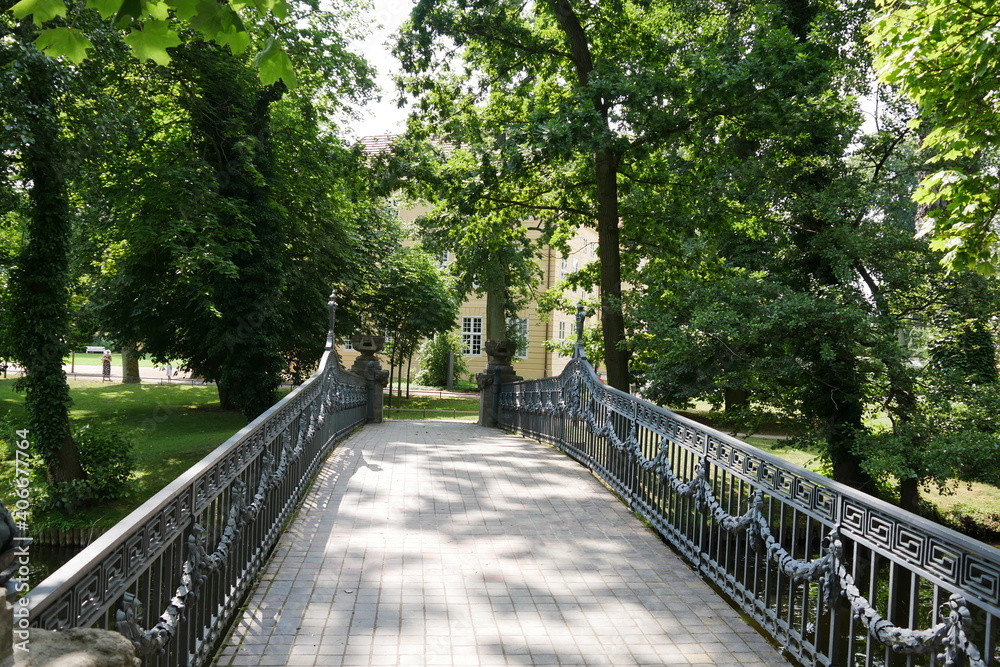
(276, 8)
(153, 41)
(184, 9)
(106, 8)
(275, 65)
(39, 10)
(67, 42)
(213, 19)
(159, 10)
(238, 40)
(130, 9)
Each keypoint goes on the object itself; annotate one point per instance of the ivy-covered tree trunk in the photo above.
(40, 281)
(231, 114)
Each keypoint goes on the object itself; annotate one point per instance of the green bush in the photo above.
(433, 355)
(107, 456)
(106, 452)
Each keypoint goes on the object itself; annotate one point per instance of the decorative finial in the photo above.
(581, 315)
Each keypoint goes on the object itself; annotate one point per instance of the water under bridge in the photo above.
(305, 541)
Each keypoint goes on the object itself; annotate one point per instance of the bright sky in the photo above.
(383, 117)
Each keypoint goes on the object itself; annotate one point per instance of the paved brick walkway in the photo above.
(443, 543)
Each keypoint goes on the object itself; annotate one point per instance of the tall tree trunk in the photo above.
(39, 283)
(130, 365)
(224, 401)
(735, 398)
(909, 495)
(609, 249)
(392, 370)
(496, 320)
(606, 162)
(409, 367)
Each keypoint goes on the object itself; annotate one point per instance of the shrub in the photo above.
(106, 455)
(433, 355)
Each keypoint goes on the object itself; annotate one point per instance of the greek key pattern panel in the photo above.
(100, 586)
(930, 554)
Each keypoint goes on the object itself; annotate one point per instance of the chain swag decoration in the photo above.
(200, 564)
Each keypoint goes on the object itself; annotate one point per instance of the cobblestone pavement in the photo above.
(446, 543)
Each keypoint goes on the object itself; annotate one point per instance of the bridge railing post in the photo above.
(498, 371)
(367, 366)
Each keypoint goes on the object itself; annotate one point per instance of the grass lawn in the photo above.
(463, 386)
(805, 457)
(444, 406)
(175, 426)
(972, 508)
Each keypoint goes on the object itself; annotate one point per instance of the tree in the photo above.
(571, 119)
(803, 286)
(218, 315)
(486, 243)
(411, 301)
(942, 56)
(772, 301)
(205, 269)
(58, 120)
(507, 52)
(435, 354)
(39, 279)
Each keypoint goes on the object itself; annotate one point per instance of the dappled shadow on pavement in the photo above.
(443, 543)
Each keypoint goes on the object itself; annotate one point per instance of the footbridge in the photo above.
(310, 538)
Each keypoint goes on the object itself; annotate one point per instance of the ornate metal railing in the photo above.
(172, 575)
(834, 576)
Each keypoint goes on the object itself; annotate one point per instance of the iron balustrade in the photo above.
(834, 576)
(172, 575)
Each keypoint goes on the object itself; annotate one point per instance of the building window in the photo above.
(562, 331)
(576, 264)
(519, 327)
(472, 336)
(348, 345)
(563, 268)
(443, 258)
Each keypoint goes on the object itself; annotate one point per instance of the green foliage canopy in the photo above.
(154, 30)
(945, 57)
